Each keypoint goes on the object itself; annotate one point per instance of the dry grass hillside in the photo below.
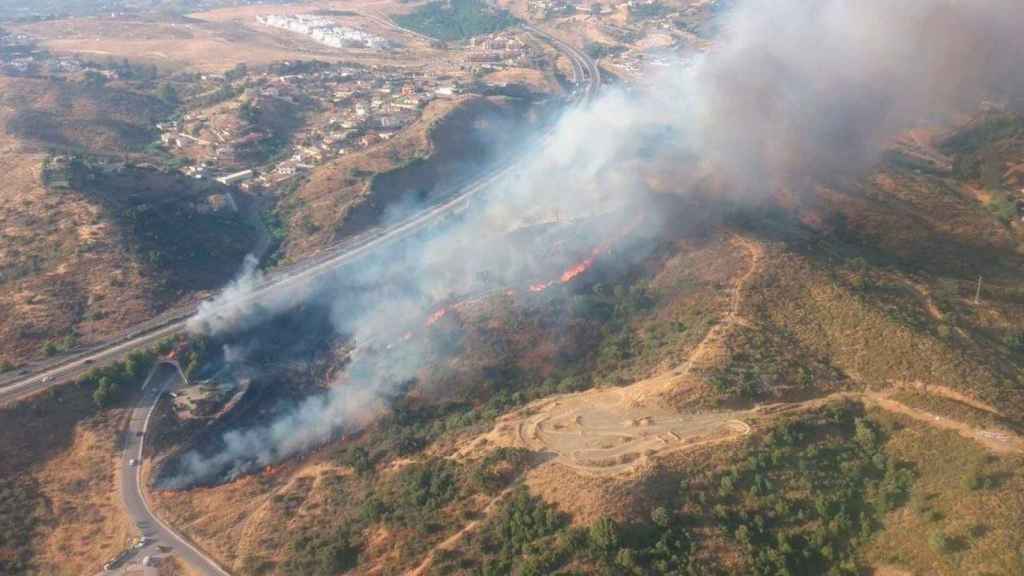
(78, 115)
(351, 193)
(65, 268)
(81, 256)
(61, 513)
(785, 387)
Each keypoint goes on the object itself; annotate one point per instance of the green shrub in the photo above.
(456, 20)
(939, 542)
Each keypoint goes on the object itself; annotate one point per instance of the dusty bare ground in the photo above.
(886, 570)
(606, 432)
(613, 432)
(217, 40)
(206, 46)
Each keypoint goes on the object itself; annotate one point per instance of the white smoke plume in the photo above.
(793, 92)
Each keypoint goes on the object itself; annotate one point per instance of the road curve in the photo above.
(163, 539)
(44, 375)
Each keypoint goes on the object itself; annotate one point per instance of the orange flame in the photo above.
(576, 270)
(540, 287)
(436, 316)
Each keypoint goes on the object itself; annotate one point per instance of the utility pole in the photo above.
(977, 294)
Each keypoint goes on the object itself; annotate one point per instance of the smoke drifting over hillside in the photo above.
(794, 92)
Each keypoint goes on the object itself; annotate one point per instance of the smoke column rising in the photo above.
(794, 92)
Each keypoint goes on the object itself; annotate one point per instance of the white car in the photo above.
(133, 462)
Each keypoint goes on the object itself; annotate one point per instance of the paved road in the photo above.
(45, 374)
(164, 378)
(42, 375)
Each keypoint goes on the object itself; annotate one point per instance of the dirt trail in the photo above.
(615, 431)
(998, 441)
(733, 317)
(949, 393)
(925, 294)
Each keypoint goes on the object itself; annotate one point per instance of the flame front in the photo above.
(436, 316)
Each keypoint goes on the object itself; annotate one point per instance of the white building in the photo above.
(324, 31)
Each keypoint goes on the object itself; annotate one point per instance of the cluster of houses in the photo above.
(325, 31)
(505, 48)
(367, 107)
(357, 108)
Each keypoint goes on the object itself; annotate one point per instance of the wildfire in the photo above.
(541, 287)
(436, 316)
(576, 270)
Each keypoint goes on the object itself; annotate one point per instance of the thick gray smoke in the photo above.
(795, 91)
(233, 303)
(802, 89)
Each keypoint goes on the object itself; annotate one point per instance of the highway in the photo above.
(45, 374)
(39, 376)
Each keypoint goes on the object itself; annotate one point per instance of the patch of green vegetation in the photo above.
(597, 50)
(802, 500)
(529, 536)
(809, 494)
(168, 93)
(647, 11)
(525, 536)
(1003, 207)
(111, 382)
(764, 363)
(964, 513)
(64, 345)
(456, 20)
(900, 159)
(327, 554)
(423, 502)
(993, 128)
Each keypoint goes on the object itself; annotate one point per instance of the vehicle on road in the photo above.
(133, 462)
